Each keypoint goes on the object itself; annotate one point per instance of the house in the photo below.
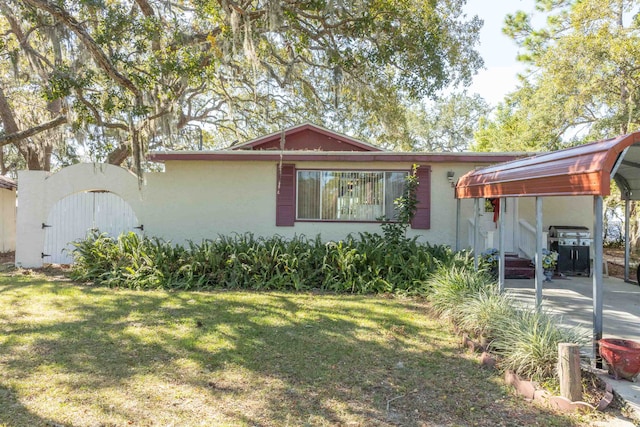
(305, 180)
(7, 214)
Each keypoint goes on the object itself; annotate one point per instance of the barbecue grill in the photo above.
(573, 245)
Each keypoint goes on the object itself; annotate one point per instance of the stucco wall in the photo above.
(574, 211)
(7, 220)
(204, 199)
(195, 200)
(39, 191)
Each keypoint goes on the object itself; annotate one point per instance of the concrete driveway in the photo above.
(571, 299)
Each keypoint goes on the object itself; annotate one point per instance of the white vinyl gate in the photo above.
(74, 216)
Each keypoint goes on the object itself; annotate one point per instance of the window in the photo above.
(312, 195)
(347, 196)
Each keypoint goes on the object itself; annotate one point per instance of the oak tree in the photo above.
(116, 78)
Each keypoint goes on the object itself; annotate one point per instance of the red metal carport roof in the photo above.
(581, 170)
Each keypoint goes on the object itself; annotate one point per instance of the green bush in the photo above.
(525, 339)
(527, 342)
(366, 264)
(453, 284)
(481, 314)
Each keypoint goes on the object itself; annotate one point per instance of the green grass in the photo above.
(75, 355)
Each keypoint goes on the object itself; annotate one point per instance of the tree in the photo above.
(519, 123)
(446, 124)
(584, 65)
(126, 75)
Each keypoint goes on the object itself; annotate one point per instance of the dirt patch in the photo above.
(615, 263)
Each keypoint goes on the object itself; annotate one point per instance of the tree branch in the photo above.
(96, 52)
(119, 155)
(21, 135)
(96, 114)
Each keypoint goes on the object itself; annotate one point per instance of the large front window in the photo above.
(348, 196)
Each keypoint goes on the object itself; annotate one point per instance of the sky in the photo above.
(498, 51)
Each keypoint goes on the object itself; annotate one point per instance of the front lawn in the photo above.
(73, 355)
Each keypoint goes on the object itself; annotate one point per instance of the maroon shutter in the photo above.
(422, 219)
(286, 196)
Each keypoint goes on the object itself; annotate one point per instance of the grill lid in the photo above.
(569, 231)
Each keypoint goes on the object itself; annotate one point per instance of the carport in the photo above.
(585, 170)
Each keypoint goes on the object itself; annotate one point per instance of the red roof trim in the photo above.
(7, 183)
(580, 170)
(303, 127)
(329, 156)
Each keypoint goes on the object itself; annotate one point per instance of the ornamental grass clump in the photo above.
(452, 285)
(527, 341)
(482, 314)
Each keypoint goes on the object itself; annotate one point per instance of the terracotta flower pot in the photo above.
(622, 357)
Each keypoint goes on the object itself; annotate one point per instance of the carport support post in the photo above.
(597, 279)
(539, 272)
(501, 271)
(627, 233)
(458, 224)
(476, 231)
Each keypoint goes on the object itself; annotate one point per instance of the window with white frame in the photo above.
(348, 195)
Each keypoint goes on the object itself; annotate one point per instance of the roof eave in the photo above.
(338, 156)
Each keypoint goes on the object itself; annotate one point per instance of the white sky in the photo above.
(498, 51)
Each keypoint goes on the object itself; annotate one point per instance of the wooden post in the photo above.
(569, 371)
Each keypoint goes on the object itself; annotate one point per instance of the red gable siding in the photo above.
(307, 137)
(309, 140)
(422, 219)
(286, 196)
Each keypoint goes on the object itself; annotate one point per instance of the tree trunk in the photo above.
(6, 115)
(119, 155)
(33, 160)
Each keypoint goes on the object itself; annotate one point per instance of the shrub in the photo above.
(482, 314)
(527, 342)
(452, 285)
(366, 264)
(525, 339)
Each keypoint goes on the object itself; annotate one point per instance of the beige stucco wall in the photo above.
(7, 220)
(573, 211)
(195, 200)
(203, 199)
(39, 191)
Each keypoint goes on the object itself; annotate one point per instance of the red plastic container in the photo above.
(622, 357)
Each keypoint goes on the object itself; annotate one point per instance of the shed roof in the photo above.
(7, 183)
(582, 170)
